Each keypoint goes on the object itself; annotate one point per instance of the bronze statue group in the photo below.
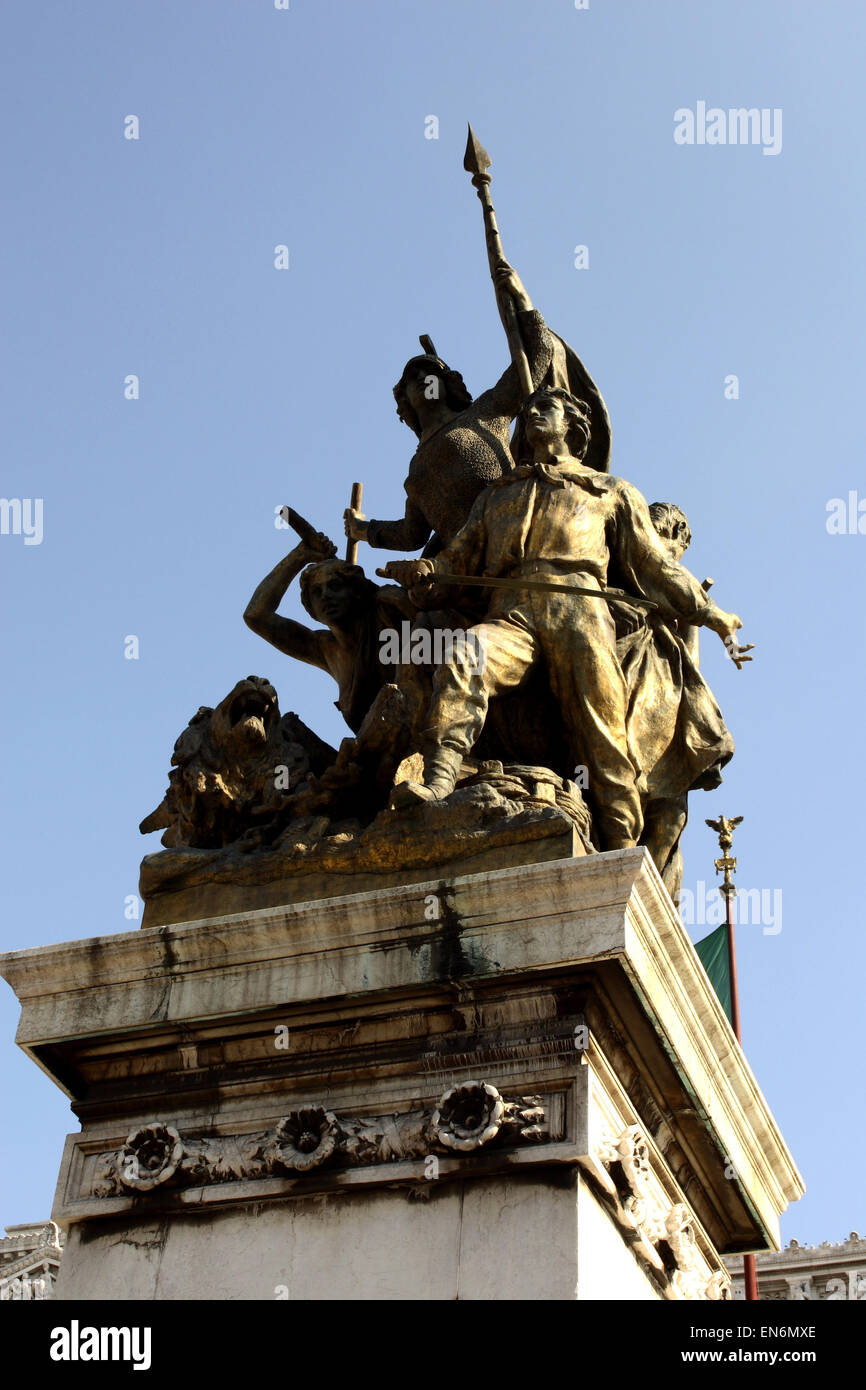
(570, 586)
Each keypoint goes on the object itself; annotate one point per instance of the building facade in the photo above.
(808, 1272)
(29, 1260)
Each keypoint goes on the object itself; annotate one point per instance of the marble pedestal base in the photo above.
(514, 1084)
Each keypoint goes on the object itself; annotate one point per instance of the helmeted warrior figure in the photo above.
(464, 444)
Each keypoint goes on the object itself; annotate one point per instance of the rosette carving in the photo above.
(150, 1157)
(306, 1138)
(468, 1116)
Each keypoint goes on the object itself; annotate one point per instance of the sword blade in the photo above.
(554, 586)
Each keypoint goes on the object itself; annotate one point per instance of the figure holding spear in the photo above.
(464, 444)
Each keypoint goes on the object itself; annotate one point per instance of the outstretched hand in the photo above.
(737, 653)
(727, 627)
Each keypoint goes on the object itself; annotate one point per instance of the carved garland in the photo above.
(467, 1117)
(665, 1240)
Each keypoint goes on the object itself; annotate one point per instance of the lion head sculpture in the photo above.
(233, 766)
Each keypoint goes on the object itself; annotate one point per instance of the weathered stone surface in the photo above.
(323, 1066)
(494, 1239)
(494, 816)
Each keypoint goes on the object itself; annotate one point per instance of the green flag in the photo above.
(713, 952)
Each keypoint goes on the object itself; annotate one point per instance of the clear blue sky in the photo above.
(259, 387)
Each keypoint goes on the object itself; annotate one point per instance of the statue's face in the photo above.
(677, 545)
(674, 546)
(423, 385)
(545, 420)
(333, 598)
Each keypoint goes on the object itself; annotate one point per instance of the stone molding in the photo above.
(311, 1148)
(315, 1150)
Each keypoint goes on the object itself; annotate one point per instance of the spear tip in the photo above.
(476, 159)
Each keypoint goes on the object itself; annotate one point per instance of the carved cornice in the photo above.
(34, 1237)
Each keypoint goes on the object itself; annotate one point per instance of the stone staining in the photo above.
(536, 982)
(468, 1118)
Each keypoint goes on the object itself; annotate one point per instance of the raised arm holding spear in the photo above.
(464, 444)
(476, 162)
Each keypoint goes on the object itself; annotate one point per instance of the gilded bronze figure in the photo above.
(555, 518)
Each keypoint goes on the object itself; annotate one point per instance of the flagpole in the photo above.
(728, 866)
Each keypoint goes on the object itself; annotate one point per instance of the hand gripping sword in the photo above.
(547, 586)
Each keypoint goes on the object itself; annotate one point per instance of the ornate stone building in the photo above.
(799, 1272)
(29, 1260)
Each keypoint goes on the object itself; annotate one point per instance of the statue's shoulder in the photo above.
(629, 492)
(514, 475)
(425, 463)
(416, 463)
(501, 492)
(592, 479)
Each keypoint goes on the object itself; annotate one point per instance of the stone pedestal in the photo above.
(509, 1084)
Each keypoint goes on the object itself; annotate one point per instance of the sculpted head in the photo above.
(553, 415)
(247, 715)
(673, 528)
(424, 379)
(336, 593)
